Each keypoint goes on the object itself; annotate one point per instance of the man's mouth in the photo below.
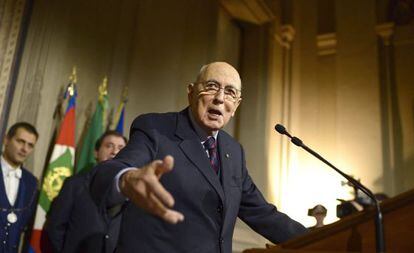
(22, 154)
(215, 112)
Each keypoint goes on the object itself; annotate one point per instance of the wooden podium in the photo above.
(356, 233)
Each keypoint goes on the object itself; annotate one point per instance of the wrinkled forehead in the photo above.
(221, 72)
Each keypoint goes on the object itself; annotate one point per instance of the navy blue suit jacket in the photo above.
(210, 203)
(73, 222)
(24, 208)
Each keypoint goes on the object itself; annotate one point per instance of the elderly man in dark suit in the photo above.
(18, 187)
(186, 179)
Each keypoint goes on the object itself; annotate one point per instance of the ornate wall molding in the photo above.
(389, 105)
(11, 17)
(385, 31)
(326, 44)
(31, 96)
(285, 36)
(252, 11)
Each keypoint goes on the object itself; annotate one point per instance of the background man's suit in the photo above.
(210, 202)
(74, 223)
(24, 208)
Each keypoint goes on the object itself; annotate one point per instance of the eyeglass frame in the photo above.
(233, 99)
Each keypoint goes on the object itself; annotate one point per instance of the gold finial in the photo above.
(103, 88)
(73, 78)
(71, 89)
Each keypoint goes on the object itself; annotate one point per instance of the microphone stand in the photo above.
(379, 228)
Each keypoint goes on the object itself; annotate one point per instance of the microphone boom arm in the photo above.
(379, 228)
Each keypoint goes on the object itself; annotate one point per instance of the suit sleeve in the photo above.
(59, 214)
(138, 152)
(263, 217)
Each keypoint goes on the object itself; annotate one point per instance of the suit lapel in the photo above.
(4, 201)
(20, 198)
(226, 166)
(191, 146)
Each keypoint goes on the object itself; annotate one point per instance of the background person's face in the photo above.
(110, 146)
(213, 112)
(18, 147)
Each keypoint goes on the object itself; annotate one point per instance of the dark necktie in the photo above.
(211, 145)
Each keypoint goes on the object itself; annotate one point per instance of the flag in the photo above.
(120, 114)
(119, 125)
(60, 167)
(86, 159)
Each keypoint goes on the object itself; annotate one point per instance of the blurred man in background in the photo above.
(18, 187)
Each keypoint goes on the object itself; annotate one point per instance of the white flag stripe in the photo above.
(59, 149)
(40, 218)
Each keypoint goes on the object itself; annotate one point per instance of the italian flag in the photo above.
(60, 167)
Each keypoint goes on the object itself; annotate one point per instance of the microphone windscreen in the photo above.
(280, 129)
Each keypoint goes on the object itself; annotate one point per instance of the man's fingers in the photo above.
(173, 217)
(154, 187)
(166, 214)
(154, 206)
(146, 191)
(166, 165)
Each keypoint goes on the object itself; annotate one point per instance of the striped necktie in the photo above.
(211, 145)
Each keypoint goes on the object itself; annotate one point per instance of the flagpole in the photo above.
(61, 165)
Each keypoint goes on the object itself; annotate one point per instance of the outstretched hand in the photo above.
(143, 188)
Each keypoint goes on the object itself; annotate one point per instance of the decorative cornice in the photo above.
(252, 11)
(326, 44)
(385, 31)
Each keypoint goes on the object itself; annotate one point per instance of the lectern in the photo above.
(356, 233)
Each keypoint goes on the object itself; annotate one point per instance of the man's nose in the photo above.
(220, 95)
(116, 150)
(25, 148)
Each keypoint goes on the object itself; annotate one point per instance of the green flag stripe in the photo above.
(57, 172)
(96, 129)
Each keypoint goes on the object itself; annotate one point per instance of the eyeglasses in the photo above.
(212, 88)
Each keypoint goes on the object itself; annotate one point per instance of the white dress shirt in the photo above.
(11, 177)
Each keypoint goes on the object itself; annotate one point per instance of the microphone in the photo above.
(295, 140)
(379, 229)
(281, 129)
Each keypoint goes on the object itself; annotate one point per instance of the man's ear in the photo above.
(5, 140)
(190, 91)
(190, 88)
(237, 106)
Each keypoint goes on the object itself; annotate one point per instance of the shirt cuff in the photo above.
(116, 190)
